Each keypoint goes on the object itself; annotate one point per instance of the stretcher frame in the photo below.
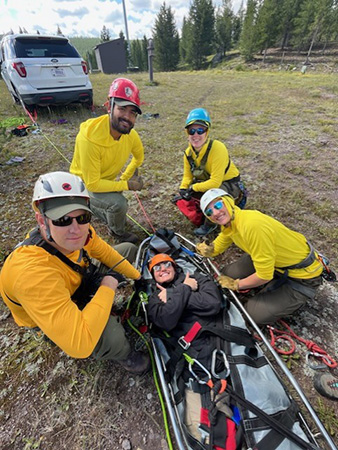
(207, 266)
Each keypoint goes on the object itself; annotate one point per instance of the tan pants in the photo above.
(192, 413)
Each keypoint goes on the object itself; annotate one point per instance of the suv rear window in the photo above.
(51, 48)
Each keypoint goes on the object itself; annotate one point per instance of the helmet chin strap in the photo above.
(48, 235)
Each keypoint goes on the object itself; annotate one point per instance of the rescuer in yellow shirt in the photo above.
(277, 260)
(207, 165)
(102, 148)
(50, 282)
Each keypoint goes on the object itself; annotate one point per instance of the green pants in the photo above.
(276, 299)
(113, 343)
(111, 208)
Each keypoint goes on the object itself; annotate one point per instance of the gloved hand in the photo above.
(186, 194)
(140, 285)
(118, 276)
(135, 183)
(204, 249)
(228, 282)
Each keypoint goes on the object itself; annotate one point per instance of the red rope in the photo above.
(144, 212)
(312, 346)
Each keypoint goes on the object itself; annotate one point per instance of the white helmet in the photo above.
(210, 195)
(59, 193)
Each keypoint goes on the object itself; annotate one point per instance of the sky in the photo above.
(87, 17)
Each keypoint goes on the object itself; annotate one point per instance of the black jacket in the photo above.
(184, 307)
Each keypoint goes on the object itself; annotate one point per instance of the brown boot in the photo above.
(136, 362)
(125, 237)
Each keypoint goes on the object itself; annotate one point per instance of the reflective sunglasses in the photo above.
(199, 131)
(218, 205)
(65, 221)
(158, 267)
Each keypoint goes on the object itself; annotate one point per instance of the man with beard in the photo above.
(102, 148)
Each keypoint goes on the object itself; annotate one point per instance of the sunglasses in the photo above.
(65, 221)
(158, 267)
(218, 205)
(199, 131)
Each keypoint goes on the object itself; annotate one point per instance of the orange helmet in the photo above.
(157, 259)
(124, 92)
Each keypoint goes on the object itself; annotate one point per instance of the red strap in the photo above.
(190, 336)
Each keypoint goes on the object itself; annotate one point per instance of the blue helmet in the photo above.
(199, 115)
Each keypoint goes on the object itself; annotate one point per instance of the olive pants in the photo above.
(111, 208)
(277, 299)
(113, 343)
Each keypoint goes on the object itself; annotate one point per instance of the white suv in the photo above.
(44, 70)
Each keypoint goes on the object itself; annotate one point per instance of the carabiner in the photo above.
(213, 364)
(199, 380)
(317, 366)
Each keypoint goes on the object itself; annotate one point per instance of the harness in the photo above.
(283, 278)
(225, 414)
(199, 172)
(90, 277)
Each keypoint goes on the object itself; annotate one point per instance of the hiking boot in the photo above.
(136, 362)
(205, 229)
(327, 385)
(125, 237)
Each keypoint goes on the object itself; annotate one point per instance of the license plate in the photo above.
(58, 72)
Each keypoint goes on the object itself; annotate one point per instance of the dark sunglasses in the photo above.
(199, 131)
(65, 221)
(158, 267)
(218, 205)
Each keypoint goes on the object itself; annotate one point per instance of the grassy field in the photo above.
(281, 130)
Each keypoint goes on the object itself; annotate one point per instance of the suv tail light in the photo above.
(84, 67)
(20, 68)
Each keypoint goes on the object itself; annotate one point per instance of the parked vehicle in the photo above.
(44, 70)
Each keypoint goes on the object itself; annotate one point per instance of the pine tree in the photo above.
(126, 48)
(166, 40)
(59, 32)
(185, 40)
(145, 52)
(248, 45)
(201, 23)
(268, 26)
(105, 34)
(289, 10)
(136, 54)
(237, 25)
(223, 27)
(315, 22)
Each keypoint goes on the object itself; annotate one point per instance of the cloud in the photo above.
(79, 12)
(87, 17)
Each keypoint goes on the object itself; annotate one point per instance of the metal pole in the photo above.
(282, 366)
(126, 23)
(150, 49)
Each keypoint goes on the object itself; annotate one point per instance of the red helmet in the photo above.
(124, 92)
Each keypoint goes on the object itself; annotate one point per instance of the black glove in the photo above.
(140, 285)
(186, 194)
(119, 277)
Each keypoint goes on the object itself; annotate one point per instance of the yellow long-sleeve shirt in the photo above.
(41, 286)
(270, 244)
(217, 162)
(99, 159)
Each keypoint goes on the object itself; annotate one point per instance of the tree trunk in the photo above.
(265, 51)
(311, 45)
